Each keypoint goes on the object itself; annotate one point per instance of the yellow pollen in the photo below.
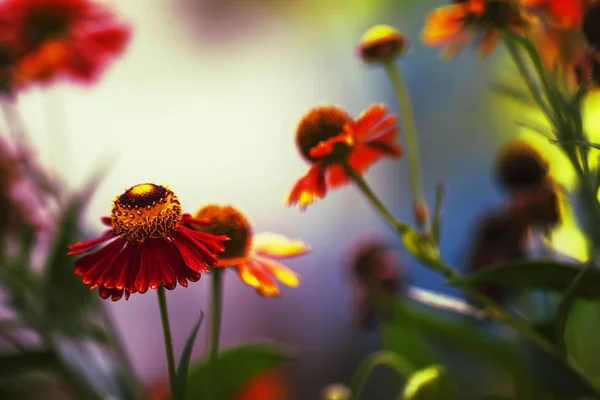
(145, 211)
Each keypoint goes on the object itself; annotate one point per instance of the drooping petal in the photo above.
(170, 254)
(114, 294)
(489, 42)
(308, 188)
(87, 245)
(367, 119)
(149, 276)
(97, 259)
(195, 255)
(255, 274)
(277, 245)
(444, 25)
(279, 271)
(118, 272)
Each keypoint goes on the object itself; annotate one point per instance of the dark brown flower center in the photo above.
(227, 220)
(591, 25)
(519, 166)
(318, 125)
(44, 24)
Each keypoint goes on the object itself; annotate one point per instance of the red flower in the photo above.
(147, 246)
(565, 14)
(73, 38)
(328, 138)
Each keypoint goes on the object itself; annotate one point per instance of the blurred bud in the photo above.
(382, 44)
(379, 274)
(501, 236)
(421, 214)
(591, 25)
(335, 391)
(519, 166)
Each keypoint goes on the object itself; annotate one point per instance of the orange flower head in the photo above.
(230, 222)
(382, 44)
(253, 256)
(456, 25)
(72, 38)
(148, 245)
(519, 166)
(331, 141)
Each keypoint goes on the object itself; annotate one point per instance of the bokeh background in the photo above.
(206, 100)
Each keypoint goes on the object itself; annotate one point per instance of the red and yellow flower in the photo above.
(73, 38)
(331, 141)
(251, 255)
(148, 245)
(456, 25)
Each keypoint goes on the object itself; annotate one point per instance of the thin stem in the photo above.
(164, 316)
(401, 366)
(372, 197)
(410, 130)
(215, 320)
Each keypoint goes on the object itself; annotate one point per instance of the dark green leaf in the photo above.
(436, 225)
(13, 364)
(184, 361)
(404, 337)
(581, 335)
(548, 275)
(236, 367)
(564, 309)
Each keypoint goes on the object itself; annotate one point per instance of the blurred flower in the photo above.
(328, 137)
(382, 44)
(565, 14)
(249, 253)
(377, 271)
(74, 38)
(148, 245)
(591, 25)
(335, 391)
(539, 205)
(520, 167)
(270, 385)
(456, 25)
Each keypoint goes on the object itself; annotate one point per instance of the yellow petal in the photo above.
(280, 271)
(246, 275)
(276, 245)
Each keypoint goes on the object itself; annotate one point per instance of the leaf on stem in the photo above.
(547, 275)
(420, 246)
(513, 93)
(235, 367)
(564, 309)
(184, 361)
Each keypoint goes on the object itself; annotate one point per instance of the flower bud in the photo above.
(335, 391)
(382, 44)
(421, 214)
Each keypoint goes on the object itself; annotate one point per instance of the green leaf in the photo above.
(184, 361)
(420, 246)
(581, 336)
(404, 337)
(564, 308)
(472, 340)
(420, 380)
(513, 93)
(235, 367)
(547, 275)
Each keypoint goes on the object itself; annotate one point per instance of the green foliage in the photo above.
(184, 362)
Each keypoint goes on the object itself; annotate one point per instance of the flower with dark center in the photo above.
(72, 38)
(330, 140)
(251, 255)
(382, 44)
(456, 25)
(148, 245)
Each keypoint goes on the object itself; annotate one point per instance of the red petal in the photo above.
(150, 273)
(308, 188)
(98, 259)
(195, 255)
(87, 245)
(365, 122)
(182, 272)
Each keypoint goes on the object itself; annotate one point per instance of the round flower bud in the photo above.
(382, 44)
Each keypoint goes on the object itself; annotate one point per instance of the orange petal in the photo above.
(444, 24)
(489, 42)
(282, 273)
(368, 118)
(326, 147)
(276, 245)
(308, 188)
(46, 62)
(255, 274)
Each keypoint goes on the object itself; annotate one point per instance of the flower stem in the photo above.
(381, 357)
(164, 316)
(215, 321)
(372, 197)
(410, 128)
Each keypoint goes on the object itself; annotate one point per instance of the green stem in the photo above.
(164, 316)
(410, 130)
(366, 368)
(215, 320)
(372, 197)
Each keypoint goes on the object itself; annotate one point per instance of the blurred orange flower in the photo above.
(74, 38)
(250, 254)
(328, 137)
(565, 14)
(456, 25)
(148, 246)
